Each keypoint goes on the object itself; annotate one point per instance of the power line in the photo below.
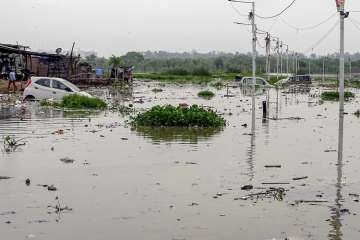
(322, 38)
(355, 23)
(276, 15)
(237, 10)
(309, 27)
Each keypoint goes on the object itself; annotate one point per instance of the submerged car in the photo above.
(296, 79)
(40, 88)
(248, 81)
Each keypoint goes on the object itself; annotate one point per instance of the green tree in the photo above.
(115, 61)
(133, 58)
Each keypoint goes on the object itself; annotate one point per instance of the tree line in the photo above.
(193, 63)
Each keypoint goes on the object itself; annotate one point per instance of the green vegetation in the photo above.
(156, 90)
(334, 96)
(357, 113)
(170, 116)
(174, 78)
(206, 94)
(76, 101)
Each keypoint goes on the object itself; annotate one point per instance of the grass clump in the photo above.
(206, 94)
(76, 101)
(170, 116)
(334, 96)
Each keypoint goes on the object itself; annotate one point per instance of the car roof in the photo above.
(51, 78)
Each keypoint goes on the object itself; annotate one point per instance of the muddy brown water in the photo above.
(181, 183)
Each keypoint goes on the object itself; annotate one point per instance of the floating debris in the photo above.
(67, 160)
(247, 187)
(300, 178)
(4, 178)
(276, 193)
(272, 166)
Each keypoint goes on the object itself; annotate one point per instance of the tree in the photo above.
(133, 58)
(115, 61)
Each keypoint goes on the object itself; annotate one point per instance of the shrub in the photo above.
(201, 71)
(334, 96)
(177, 71)
(206, 94)
(170, 116)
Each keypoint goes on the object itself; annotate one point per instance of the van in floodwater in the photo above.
(296, 79)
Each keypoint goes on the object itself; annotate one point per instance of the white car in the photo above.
(40, 88)
(248, 81)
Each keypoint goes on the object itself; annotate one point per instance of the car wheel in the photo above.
(29, 98)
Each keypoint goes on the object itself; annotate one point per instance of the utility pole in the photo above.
(323, 75)
(268, 54)
(252, 17)
(341, 9)
(343, 15)
(350, 71)
(277, 59)
(287, 60)
(296, 63)
(281, 58)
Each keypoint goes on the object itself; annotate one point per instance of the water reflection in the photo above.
(32, 120)
(180, 135)
(251, 149)
(248, 92)
(335, 223)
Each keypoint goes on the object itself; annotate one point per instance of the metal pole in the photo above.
(323, 76)
(287, 60)
(281, 58)
(253, 62)
(350, 72)
(277, 59)
(342, 63)
(268, 48)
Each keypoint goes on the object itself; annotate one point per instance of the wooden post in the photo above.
(71, 67)
(264, 107)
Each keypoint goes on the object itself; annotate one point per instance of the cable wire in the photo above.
(355, 23)
(309, 27)
(322, 38)
(280, 13)
(237, 10)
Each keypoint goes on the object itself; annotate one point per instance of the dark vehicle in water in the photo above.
(296, 79)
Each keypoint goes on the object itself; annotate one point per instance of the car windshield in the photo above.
(43, 82)
(69, 84)
(75, 88)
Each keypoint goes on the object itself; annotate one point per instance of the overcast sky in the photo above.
(118, 26)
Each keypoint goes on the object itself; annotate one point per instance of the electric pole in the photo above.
(281, 58)
(277, 59)
(252, 17)
(350, 71)
(323, 75)
(341, 9)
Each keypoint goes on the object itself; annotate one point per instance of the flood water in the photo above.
(183, 183)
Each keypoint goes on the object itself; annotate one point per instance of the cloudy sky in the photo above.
(118, 26)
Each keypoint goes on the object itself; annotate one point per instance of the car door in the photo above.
(42, 89)
(60, 90)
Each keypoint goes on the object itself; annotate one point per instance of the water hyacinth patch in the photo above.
(334, 96)
(76, 101)
(206, 94)
(170, 116)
